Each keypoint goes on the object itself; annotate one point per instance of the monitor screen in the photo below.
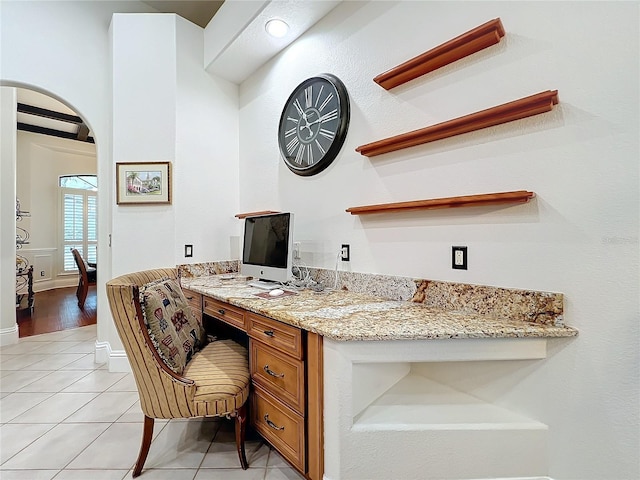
(267, 247)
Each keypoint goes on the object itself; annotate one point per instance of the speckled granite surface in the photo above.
(348, 315)
(394, 288)
(208, 268)
(524, 305)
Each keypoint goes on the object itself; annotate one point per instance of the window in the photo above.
(79, 219)
(82, 182)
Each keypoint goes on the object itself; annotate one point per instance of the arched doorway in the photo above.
(55, 157)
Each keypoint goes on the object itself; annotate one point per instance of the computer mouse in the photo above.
(276, 292)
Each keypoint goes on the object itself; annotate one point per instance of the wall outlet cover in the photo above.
(345, 252)
(459, 258)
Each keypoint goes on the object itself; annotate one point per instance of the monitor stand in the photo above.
(264, 284)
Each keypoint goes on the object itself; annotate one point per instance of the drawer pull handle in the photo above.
(221, 311)
(271, 424)
(269, 333)
(272, 373)
(189, 298)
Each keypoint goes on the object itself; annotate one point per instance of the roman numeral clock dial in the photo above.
(313, 124)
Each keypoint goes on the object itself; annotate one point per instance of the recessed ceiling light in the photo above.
(276, 28)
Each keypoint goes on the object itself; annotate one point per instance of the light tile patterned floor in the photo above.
(64, 417)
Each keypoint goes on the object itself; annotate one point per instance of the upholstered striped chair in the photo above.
(214, 381)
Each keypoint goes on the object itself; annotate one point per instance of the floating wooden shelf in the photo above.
(253, 214)
(466, 44)
(520, 196)
(525, 107)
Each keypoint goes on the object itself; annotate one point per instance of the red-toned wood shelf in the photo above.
(507, 112)
(253, 214)
(519, 196)
(473, 41)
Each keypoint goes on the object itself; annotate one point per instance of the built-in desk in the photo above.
(356, 370)
(286, 370)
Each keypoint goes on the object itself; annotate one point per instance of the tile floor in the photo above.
(64, 417)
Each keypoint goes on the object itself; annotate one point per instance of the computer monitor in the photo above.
(267, 247)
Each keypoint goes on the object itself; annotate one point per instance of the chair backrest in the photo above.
(163, 394)
(81, 264)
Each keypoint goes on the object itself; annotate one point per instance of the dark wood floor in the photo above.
(58, 309)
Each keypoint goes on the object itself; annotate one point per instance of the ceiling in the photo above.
(237, 31)
(199, 12)
(39, 113)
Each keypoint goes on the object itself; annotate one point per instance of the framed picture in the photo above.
(143, 183)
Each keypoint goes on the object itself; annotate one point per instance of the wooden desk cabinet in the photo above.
(286, 373)
(277, 372)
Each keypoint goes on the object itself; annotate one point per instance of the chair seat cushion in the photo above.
(221, 374)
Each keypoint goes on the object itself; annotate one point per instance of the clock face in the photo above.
(314, 124)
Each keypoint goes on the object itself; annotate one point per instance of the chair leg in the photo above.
(83, 289)
(147, 435)
(241, 427)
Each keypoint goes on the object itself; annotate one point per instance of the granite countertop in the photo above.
(344, 315)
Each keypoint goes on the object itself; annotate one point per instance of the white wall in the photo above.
(206, 193)
(144, 129)
(578, 237)
(167, 108)
(190, 120)
(69, 60)
(41, 160)
(8, 325)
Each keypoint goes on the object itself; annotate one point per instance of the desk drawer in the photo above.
(194, 298)
(195, 302)
(223, 311)
(280, 374)
(280, 426)
(276, 334)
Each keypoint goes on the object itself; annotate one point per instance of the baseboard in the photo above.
(102, 352)
(9, 336)
(116, 360)
(51, 284)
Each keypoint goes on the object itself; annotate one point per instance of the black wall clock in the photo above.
(313, 124)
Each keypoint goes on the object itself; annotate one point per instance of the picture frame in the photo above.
(143, 183)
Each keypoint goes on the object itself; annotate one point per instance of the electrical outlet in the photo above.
(296, 250)
(345, 254)
(42, 273)
(459, 258)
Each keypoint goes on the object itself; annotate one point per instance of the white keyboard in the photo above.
(263, 285)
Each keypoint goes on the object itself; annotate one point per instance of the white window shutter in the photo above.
(79, 214)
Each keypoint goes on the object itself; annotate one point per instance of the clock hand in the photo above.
(332, 115)
(306, 125)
